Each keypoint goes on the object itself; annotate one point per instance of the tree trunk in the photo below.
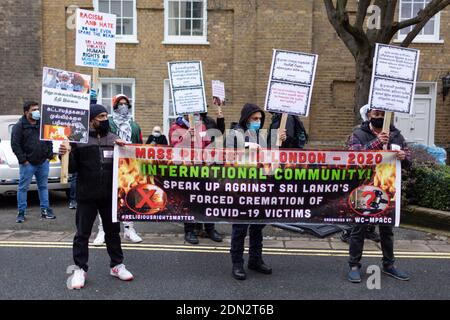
(364, 64)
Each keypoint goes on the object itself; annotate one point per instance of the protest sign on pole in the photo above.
(393, 83)
(65, 109)
(291, 83)
(187, 89)
(218, 93)
(277, 186)
(95, 39)
(394, 78)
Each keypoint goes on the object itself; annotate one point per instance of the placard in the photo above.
(291, 82)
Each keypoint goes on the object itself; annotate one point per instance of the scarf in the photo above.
(123, 124)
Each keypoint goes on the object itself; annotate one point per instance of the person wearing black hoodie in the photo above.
(369, 136)
(245, 134)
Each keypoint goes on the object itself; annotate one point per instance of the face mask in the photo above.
(156, 134)
(122, 109)
(377, 122)
(196, 118)
(254, 125)
(36, 115)
(103, 127)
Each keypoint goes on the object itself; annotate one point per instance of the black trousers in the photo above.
(356, 240)
(190, 227)
(238, 234)
(85, 217)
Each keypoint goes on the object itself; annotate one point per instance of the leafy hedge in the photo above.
(427, 184)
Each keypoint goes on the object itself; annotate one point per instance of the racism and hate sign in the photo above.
(95, 39)
(264, 186)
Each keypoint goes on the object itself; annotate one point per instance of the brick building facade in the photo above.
(237, 49)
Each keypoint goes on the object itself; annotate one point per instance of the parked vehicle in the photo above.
(9, 166)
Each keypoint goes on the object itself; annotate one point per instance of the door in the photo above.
(416, 127)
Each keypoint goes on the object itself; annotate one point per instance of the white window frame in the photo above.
(188, 40)
(166, 109)
(131, 38)
(129, 81)
(435, 38)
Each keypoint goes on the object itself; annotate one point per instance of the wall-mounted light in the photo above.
(445, 85)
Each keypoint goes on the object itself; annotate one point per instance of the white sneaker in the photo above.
(78, 279)
(122, 273)
(100, 239)
(130, 234)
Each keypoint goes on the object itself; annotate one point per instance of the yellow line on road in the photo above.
(223, 249)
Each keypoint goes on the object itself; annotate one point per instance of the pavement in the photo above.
(36, 254)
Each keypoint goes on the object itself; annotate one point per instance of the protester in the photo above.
(246, 134)
(93, 162)
(369, 136)
(157, 137)
(121, 123)
(371, 233)
(296, 136)
(181, 134)
(34, 156)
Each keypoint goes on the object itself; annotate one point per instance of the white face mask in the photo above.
(156, 134)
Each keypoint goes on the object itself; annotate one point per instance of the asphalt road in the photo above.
(40, 273)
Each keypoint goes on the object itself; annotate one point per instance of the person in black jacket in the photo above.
(157, 137)
(369, 136)
(245, 134)
(93, 163)
(33, 156)
(296, 136)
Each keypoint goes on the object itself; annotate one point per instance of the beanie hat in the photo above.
(95, 110)
(117, 98)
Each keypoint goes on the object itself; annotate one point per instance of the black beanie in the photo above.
(95, 110)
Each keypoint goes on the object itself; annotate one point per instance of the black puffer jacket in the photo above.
(26, 145)
(93, 162)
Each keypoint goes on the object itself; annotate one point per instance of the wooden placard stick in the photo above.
(192, 123)
(65, 165)
(284, 118)
(387, 125)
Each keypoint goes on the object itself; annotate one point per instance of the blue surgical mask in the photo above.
(36, 115)
(254, 125)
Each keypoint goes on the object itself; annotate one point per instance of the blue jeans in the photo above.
(26, 174)
(73, 187)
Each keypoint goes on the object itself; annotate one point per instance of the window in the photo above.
(126, 23)
(185, 21)
(409, 9)
(169, 116)
(109, 87)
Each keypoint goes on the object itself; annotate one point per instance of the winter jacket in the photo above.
(363, 138)
(238, 130)
(296, 136)
(26, 145)
(93, 163)
(136, 134)
(161, 140)
(178, 131)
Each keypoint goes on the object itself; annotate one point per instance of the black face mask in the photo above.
(103, 127)
(377, 122)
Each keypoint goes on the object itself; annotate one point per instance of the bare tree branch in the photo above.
(429, 11)
(363, 5)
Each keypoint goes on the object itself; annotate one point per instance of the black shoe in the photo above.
(239, 272)
(262, 268)
(214, 235)
(372, 235)
(191, 237)
(20, 217)
(47, 214)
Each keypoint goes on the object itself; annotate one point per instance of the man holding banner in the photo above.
(93, 162)
(370, 136)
